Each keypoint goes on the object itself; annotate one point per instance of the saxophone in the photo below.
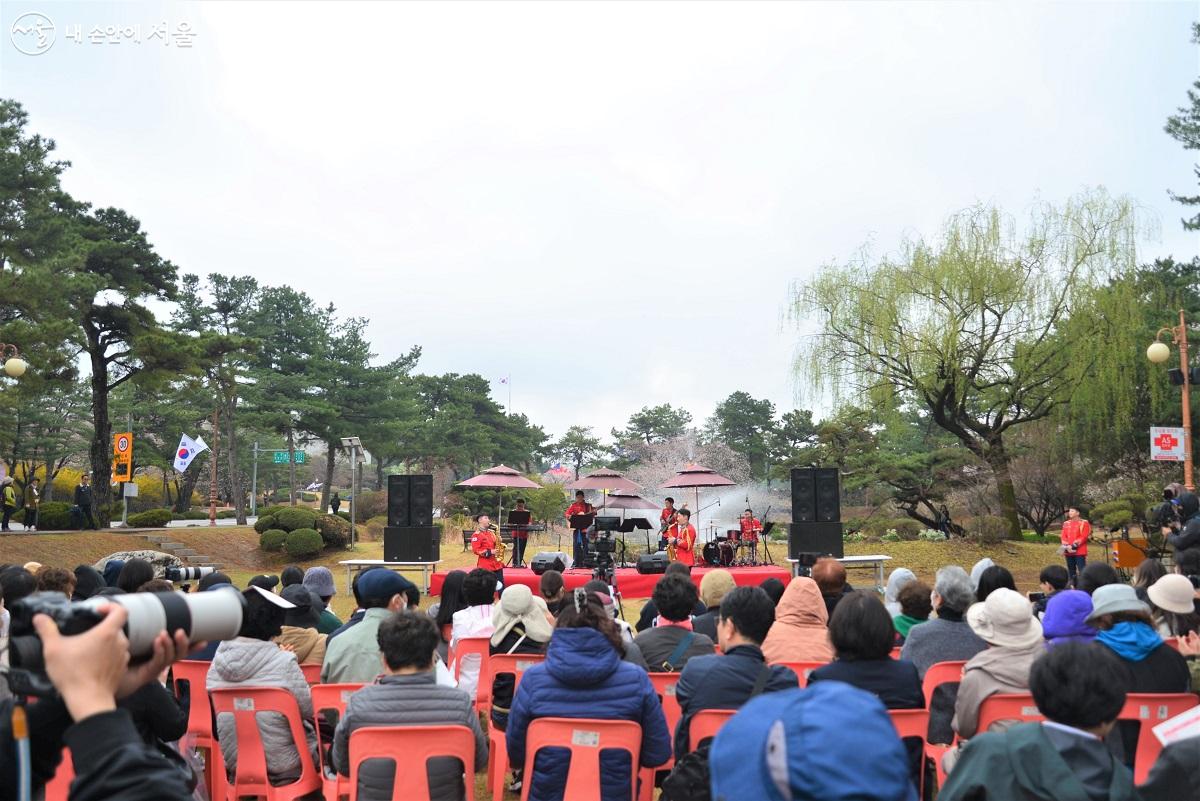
(670, 546)
(500, 548)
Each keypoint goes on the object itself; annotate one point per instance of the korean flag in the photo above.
(188, 450)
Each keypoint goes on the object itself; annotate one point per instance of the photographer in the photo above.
(1188, 533)
(91, 671)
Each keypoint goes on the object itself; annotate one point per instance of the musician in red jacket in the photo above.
(1074, 537)
(666, 519)
(579, 536)
(484, 543)
(683, 536)
(751, 528)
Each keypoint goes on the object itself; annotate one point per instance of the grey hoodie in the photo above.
(991, 671)
(899, 578)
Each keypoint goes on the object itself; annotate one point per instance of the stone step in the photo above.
(170, 547)
(182, 552)
(197, 559)
(157, 538)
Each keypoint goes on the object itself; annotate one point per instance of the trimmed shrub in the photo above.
(334, 530)
(227, 514)
(264, 522)
(303, 543)
(344, 515)
(52, 515)
(370, 504)
(151, 518)
(294, 518)
(272, 539)
(373, 528)
(987, 529)
(906, 527)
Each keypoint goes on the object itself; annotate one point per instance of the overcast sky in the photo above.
(606, 201)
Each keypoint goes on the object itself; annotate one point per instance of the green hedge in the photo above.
(304, 543)
(344, 515)
(295, 518)
(272, 539)
(335, 531)
(52, 515)
(151, 518)
(264, 522)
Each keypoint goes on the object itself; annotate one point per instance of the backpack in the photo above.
(689, 780)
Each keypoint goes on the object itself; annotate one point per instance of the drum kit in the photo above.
(729, 551)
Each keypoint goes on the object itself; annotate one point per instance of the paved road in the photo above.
(190, 523)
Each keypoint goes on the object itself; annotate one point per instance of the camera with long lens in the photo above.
(177, 574)
(203, 616)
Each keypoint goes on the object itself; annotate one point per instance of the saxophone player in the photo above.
(485, 543)
(682, 536)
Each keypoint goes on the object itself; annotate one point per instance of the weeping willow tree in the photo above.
(989, 327)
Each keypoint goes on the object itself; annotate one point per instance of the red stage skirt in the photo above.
(630, 583)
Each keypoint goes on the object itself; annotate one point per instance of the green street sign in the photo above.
(281, 457)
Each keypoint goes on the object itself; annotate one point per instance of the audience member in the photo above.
(264, 581)
(899, 577)
(292, 574)
(916, 604)
(319, 580)
(112, 571)
(1173, 605)
(1066, 618)
(552, 589)
(1188, 535)
(726, 682)
(157, 714)
(479, 591)
(830, 575)
(1077, 687)
(1006, 623)
(946, 638)
(977, 571)
(353, 657)
(253, 660)
(58, 579)
(862, 634)
(134, 573)
(450, 601)
(774, 588)
(1176, 773)
(520, 625)
(584, 676)
(214, 579)
(156, 585)
(17, 582)
(411, 593)
(211, 582)
(1051, 580)
(713, 588)
(299, 632)
(1148, 572)
(407, 694)
(633, 653)
(1096, 575)
(88, 582)
(1187, 563)
(992, 579)
(831, 742)
(1152, 666)
(649, 612)
(671, 642)
(799, 633)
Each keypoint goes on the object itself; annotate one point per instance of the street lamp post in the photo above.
(354, 444)
(14, 365)
(1159, 352)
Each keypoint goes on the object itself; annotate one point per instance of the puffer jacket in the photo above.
(799, 633)
(307, 644)
(412, 700)
(246, 662)
(584, 677)
(990, 672)
(1189, 513)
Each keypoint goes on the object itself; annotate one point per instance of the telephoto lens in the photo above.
(215, 615)
(178, 574)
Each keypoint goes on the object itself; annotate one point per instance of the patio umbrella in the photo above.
(604, 480)
(629, 500)
(697, 476)
(499, 477)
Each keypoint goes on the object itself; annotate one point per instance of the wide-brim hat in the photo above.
(1174, 593)
(1113, 598)
(1005, 619)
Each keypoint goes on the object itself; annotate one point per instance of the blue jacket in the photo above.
(723, 682)
(583, 677)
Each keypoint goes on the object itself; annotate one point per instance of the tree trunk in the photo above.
(101, 450)
(330, 458)
(191, 478)
(997, 458)
(291, 458)
(235, 473)
(51, 473)
(378, 474)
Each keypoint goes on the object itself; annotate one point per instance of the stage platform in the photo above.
(630, 583)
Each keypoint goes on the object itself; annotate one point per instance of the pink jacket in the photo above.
(799, 633)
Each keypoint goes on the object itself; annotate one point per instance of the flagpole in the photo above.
(212, 485)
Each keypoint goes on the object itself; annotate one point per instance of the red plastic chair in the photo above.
(705, 724)
(411, 747)
(325, 698)
(912, 723)
(802, 669)
(479, 646)
(1151, 709)
(194, 674)
(1172, 641)
(664, 687)
(1008, 706)
(937, 675)
(585, 738)
(516, 664)
(250, 776)
(312, 673)
(896, 652)
(59, 787)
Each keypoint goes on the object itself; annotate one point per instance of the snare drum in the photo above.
(711, 554)
(733, 534)
(726, 551)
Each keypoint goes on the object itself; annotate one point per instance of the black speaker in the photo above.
(829, 495)
(804, 492)
(420, 500)
(548, 560)
(824, 539)
(650, 563)
(412, 543)
(398, 501)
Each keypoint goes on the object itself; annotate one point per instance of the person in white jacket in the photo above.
(252, 660)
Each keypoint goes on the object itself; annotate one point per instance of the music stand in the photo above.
(632, 524)
(516, 517)
(581, 523)
(764, 538)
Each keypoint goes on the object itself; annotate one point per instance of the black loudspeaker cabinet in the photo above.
(651, 563)
(828, 495)
(398, 501)
(412, 543)
(804, 493)
(823, 539)
(420, 500)
(548, 560)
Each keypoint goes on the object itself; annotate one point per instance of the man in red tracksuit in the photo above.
(484, 543)
(683, 536)
(751, 527)
(579, 539)
(1075, 533)
(666, 519)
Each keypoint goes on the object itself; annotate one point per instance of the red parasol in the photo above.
(499, 477)
(629, 500)
(604, 479)
(697, 476)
